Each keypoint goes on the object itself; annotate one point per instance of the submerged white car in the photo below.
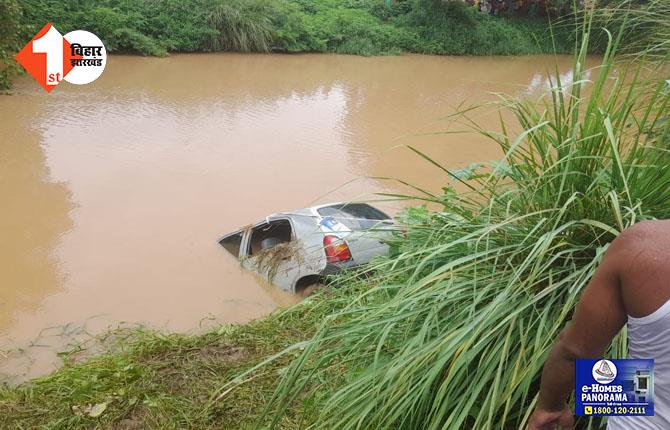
(296, 250)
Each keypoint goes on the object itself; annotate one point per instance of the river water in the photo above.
(113, 194)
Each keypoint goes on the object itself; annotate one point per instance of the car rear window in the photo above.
(356, 216)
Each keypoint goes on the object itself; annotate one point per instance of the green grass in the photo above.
(149, 380)
(463, 313)
(243, 26)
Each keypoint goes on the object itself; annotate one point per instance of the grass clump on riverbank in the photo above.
(149, 380)
(465, 310)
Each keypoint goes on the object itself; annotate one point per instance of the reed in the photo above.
(646, 23)
(243, 26)
(456, 323)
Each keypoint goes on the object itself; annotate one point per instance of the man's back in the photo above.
(648, 338)
(630, 287)
(645, 287)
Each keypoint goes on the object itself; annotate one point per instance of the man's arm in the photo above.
(599, 316)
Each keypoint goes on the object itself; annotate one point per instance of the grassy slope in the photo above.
(161, 381)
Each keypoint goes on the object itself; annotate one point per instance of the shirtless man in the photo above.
(632, 285)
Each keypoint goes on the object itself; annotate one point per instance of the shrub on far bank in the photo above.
(363, 27)
(454, 28)
(354, 31)
(10, 15)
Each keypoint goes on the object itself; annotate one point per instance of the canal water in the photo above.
(113, 194)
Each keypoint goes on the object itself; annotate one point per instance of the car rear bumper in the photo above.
(333, 268)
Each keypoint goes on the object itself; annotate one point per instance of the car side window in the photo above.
(355, 216)
(232, 243)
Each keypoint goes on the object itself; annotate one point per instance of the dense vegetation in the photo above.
(363, 27)
(10, 16)
(367, 27)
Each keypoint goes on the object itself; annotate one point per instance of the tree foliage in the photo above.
(10, 15)
(367, 27)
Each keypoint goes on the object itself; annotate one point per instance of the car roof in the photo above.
(308, 211)
(311, 212)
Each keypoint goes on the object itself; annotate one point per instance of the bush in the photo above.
(365, 27)
(353, 31)
(120, 31)
(10, 15)
(178, 25)
(455, 28)
(298, 31)
(243, 25)
(149, 27)
(129, 40)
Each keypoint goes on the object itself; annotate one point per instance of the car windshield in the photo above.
(355, 216)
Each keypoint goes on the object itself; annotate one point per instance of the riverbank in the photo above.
(365, 27)
(151, 380)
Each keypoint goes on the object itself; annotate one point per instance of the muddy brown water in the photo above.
(113, 194)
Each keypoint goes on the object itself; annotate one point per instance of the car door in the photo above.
(367, 244)
(271, 249)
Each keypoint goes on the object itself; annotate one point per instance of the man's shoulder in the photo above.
(650, 226)
(641, 261)
(643, 235)
(644, 246)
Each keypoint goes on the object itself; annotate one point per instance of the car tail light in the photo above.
(336, 249)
